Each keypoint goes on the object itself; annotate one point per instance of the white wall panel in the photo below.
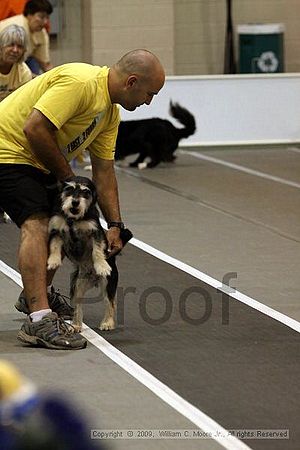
(229, 110)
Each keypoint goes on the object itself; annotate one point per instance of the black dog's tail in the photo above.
(185, 118)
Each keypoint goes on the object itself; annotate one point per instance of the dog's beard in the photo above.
(75, 212)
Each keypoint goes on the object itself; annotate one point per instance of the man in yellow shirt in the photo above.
(34, 18)
(45, 124)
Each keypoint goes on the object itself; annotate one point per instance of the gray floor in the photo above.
(219, 220)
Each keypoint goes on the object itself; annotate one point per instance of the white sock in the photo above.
(38, 315)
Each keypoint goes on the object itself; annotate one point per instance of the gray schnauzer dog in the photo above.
(75, 230)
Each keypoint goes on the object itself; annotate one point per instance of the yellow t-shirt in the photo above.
(38, 41)
(18, 75)
(75, 98)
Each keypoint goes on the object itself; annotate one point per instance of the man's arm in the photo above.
(41, 53)
(40, 133)
(45, 65)
(108, 198)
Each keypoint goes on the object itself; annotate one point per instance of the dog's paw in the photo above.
(102, 268)
(107, 324)
(77, 327)
(142, 165)
(54, 261)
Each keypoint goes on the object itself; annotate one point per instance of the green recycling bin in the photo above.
(261, 48)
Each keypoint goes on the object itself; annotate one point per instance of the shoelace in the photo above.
(56, 296)
(64, 328)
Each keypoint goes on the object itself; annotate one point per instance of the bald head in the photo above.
(141, 62)
(135, 79)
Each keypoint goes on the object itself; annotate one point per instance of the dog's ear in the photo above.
(93, 189)
(62, 185)
(95, 195)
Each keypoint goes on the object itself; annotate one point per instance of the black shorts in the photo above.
(25, 190)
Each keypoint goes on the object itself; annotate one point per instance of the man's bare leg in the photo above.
(33, 254)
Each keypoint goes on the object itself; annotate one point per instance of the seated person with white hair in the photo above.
(34, 19)
(13, 71)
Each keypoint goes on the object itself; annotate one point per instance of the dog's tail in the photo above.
(125, 235)
(185, 118)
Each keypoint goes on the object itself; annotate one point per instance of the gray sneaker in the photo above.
(51, 332)
(57, 302)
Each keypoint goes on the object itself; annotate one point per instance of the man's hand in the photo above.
(115, 244)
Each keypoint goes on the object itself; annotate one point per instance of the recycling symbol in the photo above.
(268, 62)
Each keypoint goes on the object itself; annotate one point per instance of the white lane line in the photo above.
(256, 173)
(11, 273)
(186, 409)
(294, 149)
(280, 317)
(170, 397)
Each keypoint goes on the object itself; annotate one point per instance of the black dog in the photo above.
(75, 229)
(154, 138)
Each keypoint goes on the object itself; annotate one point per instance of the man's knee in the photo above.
(35, 225)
